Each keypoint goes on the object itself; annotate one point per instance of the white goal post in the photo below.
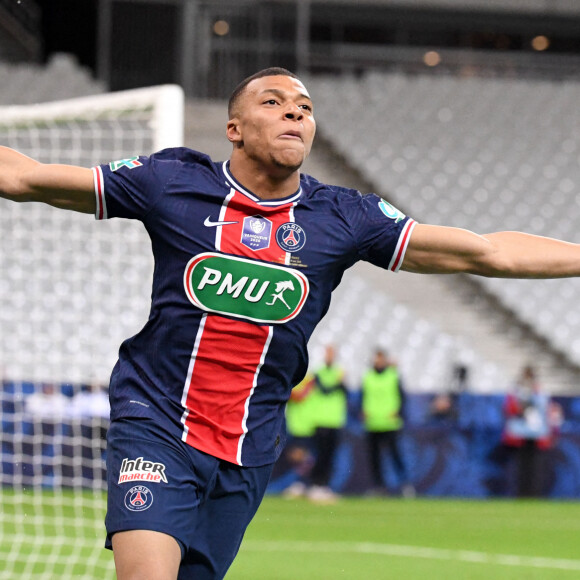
(164, 102)
(71, 290)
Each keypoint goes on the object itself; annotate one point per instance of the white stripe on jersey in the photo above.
(222, 217)
(399, 253)
(99, 184)
(258, 200)
(188, 379)
(247, 403)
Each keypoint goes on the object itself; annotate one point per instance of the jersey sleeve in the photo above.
(381, 231)
(129, 188)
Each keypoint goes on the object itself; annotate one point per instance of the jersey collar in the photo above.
(290, 199)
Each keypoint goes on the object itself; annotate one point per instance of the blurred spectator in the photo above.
(300, 427)
(48, 405)
(91, 401)
(91, 411)
(444, 405)
(45, 413)
(532, 423)
(329, 407)
(460, 379)
(383, 402)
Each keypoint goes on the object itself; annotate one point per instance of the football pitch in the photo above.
(356, 538)
(411, 539)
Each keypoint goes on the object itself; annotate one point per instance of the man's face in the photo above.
(380, 361)
(329, 355)
(273, 123)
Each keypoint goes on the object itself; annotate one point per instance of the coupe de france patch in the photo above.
(256, 232)
(290, 237)
(391, 211)
(138, 498)
(234, 286)
(131, 163)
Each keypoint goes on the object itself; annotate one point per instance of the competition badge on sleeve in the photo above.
(391, 211)
(131, 163)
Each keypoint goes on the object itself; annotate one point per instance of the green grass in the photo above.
(387, 538)
(45, 534)
(356, 538)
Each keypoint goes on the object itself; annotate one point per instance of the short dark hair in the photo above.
(273, 71)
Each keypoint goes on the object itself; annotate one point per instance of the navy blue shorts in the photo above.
(157, 482)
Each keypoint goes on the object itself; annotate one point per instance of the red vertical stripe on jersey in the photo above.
(221, 381)
(229, 353)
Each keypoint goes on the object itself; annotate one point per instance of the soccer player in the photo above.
(247, 253)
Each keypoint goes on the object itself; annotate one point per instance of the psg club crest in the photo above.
(290, 237)
(256, 232)
(138, 498)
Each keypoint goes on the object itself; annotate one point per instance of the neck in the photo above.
(271, 183)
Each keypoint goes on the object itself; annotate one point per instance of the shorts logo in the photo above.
(138, 498)
(391, 211)
(256, 233)
(290, 237)
(140, 470)
(131, 163)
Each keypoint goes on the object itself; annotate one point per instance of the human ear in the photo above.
(233, 131)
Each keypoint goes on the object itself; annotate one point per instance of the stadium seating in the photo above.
(483, 154)
(60, 78)
(439, 142)
(425, 353)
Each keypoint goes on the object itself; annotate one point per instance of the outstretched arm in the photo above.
(444, 250)
(63, 186)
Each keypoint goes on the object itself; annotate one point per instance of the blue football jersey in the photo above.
(238, 287)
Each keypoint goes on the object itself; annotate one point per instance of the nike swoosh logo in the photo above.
(208, 223)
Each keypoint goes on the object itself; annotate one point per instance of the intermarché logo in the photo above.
(234, 286)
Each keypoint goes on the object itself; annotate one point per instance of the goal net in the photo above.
(71, 291)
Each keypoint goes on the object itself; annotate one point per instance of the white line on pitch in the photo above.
(413, 552)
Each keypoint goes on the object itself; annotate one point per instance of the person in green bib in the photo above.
(329, 408)
(383, 402)
(301, 428)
